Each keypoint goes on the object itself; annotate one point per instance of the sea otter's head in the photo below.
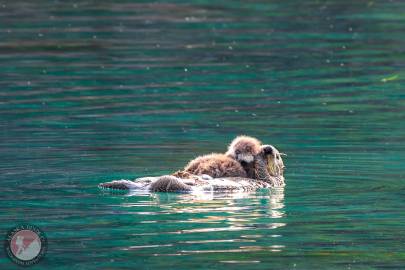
(244, 149)
(275, 164)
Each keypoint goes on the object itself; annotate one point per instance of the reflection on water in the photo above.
(100, 90)
(215, 214)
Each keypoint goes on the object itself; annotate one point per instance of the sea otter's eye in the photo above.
(237, 152)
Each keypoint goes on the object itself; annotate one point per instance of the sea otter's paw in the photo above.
(117, 184)
(182, 174)
(168, 183)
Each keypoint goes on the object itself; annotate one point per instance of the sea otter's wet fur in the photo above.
(216, 165)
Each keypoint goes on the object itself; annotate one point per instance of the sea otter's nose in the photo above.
(268, 149)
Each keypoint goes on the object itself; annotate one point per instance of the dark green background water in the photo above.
(93, 91)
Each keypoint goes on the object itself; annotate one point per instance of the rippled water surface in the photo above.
(92, 91)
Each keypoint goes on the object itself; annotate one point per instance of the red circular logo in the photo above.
(25, 244)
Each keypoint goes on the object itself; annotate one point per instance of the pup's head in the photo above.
(275, 163)
(244, 149)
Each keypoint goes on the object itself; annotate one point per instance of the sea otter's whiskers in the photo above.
(275, 162)
(274, 168)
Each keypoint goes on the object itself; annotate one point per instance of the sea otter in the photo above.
(268, 172)
(267, 168)
(238, 161)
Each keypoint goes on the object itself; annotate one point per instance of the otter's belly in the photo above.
(175, 184)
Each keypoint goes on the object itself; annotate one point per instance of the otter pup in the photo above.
(244, 149)
(238, 161)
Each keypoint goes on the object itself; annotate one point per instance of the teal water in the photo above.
(92, 91)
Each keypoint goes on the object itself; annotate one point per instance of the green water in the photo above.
(99, 90)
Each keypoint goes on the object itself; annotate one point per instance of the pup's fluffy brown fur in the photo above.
(236, 162)
(215, 165)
